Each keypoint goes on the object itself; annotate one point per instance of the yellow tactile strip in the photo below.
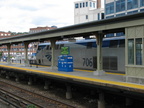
(128, 86)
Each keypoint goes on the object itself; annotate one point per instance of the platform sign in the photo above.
(65, 50)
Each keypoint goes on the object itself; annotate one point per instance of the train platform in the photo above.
(109, 80)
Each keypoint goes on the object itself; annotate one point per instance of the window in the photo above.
(120, 34)
(113, 43)
(131, 12)
(83, 4)
(90, 4)
(131, 4)
(130, 51)
(110, 8)
(122, 43)
(98, 16)
(110, 16)
(141, 3)
(139, 48)
(120, 5)
(86, 16)
(86, 4)
(122, 14)
(94, 5)
(142, 10)
(110, 35)
(80, 5)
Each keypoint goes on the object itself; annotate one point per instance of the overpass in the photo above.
(131, 25)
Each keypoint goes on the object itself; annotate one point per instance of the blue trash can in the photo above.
(65, 63)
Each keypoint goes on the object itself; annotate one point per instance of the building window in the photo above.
(110, 16)
(142, 10)
(86, 4)
(139, 48)
(131, 4)
(120, 34)
(110, 35)
(120, 5)
(122, 14)
(90, 4)
(141, 3)
(80, 5)
(86, 16)
(76, 5)
(83, 4)
(131, 12)
(94, 5)
(113, 44)
(130, 51)
(110, 8)
(98, 16)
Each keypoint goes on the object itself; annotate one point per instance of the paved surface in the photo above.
(82, 76)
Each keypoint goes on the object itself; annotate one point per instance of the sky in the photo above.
(20, 15)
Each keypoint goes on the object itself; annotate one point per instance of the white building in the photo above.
(88, 10)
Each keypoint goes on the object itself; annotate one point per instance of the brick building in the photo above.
(40, 29)
(18, 49)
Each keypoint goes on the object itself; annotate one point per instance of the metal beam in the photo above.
(108, 25)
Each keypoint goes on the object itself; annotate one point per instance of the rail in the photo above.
(21, 98)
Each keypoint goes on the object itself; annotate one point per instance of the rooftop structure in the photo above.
(88, 10)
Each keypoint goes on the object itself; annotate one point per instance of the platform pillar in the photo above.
(17, 78)
(99, 39)
(30, 81)
(53, 65)
(47, 83)
(8, 48)
(101, 101)
(68, 92)
(7, 76)
(129, 102)
(26, 53)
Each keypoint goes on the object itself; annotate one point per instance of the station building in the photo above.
(134, 37)
(114, 8)
(88, 10)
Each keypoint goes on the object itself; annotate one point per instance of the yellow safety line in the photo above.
(83, 70)
(124, 84)
(114, 73)
(77, 69)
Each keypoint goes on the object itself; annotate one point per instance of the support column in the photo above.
(101, 101)
(26, 53)
(30, 81)
(8, 48)
(47, 83)
(17, 78)
(129, 102)
(7, 76)
(53, 65)
(68, 92)
(99, 39)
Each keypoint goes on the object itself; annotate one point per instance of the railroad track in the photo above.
(21, 98)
